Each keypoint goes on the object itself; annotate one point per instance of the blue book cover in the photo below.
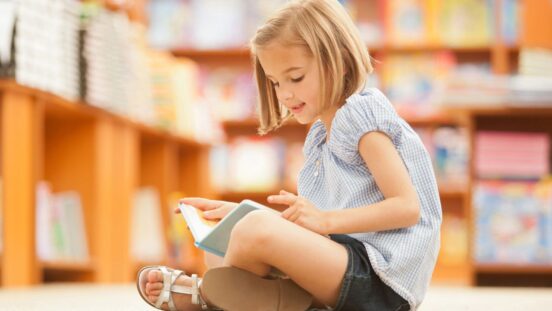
(213, 236)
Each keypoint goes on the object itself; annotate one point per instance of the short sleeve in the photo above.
(369, 111)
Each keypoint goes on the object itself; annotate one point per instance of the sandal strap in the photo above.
(168, 279)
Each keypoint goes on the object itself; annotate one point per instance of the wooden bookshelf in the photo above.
(508, 118)
(105, 158)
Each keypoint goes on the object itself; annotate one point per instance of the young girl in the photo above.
(363, 231)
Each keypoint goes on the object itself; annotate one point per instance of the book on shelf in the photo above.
(522, 155)
(454, 240)
(147, 238)
(513, 222)
(406, 22)
(450, 23)
(448, 148)
(413, 81)
(230, 93)
(214, 236)
(510, 21)
(189, 24)
(248, 164)
(464, 22)
(60, 226)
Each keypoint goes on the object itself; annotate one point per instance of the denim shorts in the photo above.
(362, 289)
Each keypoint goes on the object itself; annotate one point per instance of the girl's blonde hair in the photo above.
(327, 33)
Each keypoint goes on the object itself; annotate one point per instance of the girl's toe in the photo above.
(155, 276)
(153, 286)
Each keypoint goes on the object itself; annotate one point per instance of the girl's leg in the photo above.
(212, 260)
(262, 240)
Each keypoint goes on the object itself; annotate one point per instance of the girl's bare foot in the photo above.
(154, 286)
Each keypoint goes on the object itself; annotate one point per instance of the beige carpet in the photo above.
(124, 297)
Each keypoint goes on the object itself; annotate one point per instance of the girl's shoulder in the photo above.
(364, 112)
(369, 100)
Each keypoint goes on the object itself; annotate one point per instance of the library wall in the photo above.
(144, 102)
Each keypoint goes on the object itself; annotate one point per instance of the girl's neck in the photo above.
(327, 117)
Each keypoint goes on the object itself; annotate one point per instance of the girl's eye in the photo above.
(298, 79)
(275, 84)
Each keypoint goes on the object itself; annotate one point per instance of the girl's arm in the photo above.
(401, 206)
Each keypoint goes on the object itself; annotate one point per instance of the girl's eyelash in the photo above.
(298, 79)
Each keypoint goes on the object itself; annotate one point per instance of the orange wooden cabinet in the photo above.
(105, 158)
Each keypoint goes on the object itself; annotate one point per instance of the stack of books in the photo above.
(108, 51)
(533, 85)
(511, 155)
(47, 46)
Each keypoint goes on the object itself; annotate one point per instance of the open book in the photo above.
(213, 236)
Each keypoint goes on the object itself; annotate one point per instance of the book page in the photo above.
(199, 226)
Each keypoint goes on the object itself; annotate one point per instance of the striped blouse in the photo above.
(335, 176)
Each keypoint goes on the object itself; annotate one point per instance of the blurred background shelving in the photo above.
(162, 106)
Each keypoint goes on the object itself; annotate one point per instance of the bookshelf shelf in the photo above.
(68, 266)
(218, 53)
(245, 53)
(451, 193)
(514, 269)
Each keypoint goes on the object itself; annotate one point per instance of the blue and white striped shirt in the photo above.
(335, 176)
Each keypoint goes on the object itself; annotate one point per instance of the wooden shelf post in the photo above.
(19, 169)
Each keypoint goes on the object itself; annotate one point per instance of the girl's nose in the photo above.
(285, 96)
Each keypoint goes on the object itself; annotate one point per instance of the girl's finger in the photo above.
(217, 213)
(202, 204)
(293, 217)
(288, 212)
(283, 192)
(285, 199)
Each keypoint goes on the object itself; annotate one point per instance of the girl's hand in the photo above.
(212, 209)
(301, 211)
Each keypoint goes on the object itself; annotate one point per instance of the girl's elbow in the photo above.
(414, 213)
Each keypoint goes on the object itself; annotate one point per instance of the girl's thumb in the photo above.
(212, 214)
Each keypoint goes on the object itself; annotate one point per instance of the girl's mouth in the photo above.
(297, 108)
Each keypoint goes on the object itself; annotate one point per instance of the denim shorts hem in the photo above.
(361, 288)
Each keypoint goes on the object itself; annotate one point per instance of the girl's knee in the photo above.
(254, 228)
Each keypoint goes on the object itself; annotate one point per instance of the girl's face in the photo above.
(295, 78)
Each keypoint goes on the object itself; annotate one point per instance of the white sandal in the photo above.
(169, 277)
(231, 289)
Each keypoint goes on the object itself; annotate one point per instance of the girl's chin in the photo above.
(303, 120)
